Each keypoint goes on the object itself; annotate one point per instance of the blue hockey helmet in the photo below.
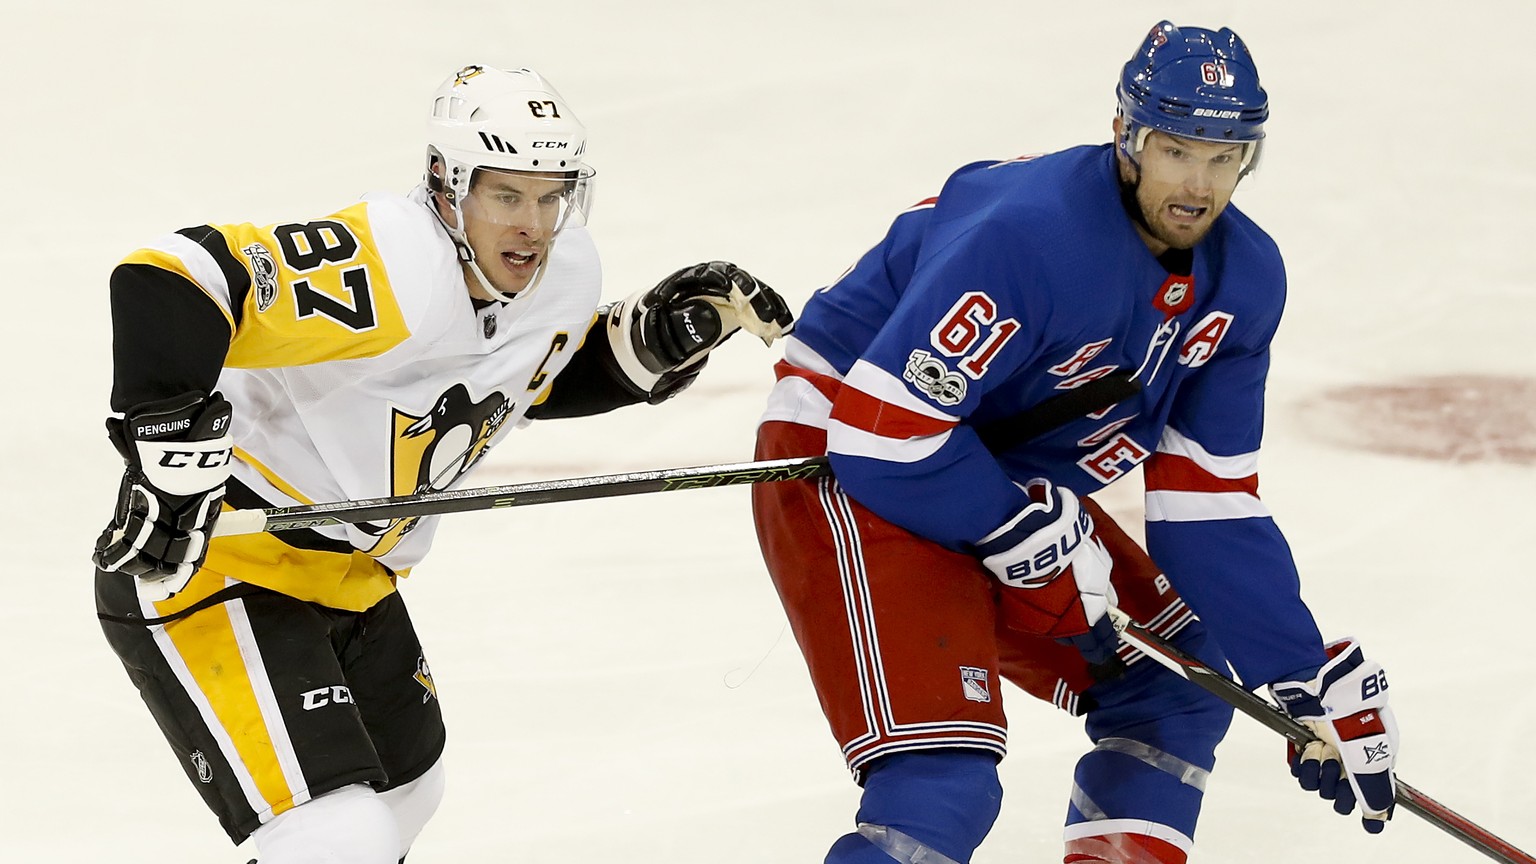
(1193, 83)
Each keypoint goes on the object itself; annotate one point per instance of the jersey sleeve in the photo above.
(175, 305)
(591, 383)
(897, 438)
(244, 296)
(1210, 532)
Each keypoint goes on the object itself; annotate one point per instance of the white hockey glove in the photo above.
(661, 337)
(177, 454)
(1057, 574)
(1345, 705)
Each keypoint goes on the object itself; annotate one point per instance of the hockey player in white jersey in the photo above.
(378, 351)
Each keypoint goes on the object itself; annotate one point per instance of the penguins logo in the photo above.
(423, 677)
(467, 73)
(432, 450)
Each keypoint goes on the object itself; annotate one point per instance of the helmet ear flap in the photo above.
(1253, 151)
(1130, 140)
(435, 170)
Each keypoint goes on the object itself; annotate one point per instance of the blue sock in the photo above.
(945, 800)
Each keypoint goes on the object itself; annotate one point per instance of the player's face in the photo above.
(1185, 184)
(509, 221)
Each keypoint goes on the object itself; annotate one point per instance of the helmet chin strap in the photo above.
(1129, 188)
(538, 276)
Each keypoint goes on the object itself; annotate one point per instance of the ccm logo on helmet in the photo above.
(550, 145)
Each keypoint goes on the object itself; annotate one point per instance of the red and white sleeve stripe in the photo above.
(1186, 483)
(876, 416)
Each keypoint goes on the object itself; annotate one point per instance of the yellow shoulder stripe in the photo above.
(319, 292)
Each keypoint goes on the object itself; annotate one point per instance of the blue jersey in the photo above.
(1025, 279)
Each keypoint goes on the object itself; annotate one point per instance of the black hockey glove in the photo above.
(661, 337)
(177, 453)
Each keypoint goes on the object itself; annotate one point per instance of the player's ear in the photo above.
(436, 187)
(1122, 147)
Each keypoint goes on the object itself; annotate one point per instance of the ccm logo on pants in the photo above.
(326, 696)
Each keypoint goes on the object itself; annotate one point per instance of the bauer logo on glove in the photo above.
(1055, 573)
(1033, 547)
(1046, 564)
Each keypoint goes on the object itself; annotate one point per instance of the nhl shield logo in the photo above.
(488, 325)
(1176, 295)
(200, 762)
(973, 683)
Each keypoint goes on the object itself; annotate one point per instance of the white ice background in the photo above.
(617, 675)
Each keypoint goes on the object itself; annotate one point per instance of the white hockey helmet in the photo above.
(508, 120)
(504, 120)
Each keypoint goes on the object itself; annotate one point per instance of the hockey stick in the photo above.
(1096, 395)
(1255, 706)
(518, 495)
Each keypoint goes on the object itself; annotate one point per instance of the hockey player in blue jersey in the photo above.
(942, 559)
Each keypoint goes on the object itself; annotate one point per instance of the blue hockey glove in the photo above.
(1345, 705)
(1056, 574)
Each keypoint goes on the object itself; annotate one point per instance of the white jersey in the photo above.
(359, 367)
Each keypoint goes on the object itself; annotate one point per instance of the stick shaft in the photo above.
(1254, 706)
(517, 495)
(1001, 434)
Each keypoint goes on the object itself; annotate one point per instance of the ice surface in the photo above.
(618, 678)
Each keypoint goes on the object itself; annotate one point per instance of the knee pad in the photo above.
(348, 826)
(939, 800)
(1155, 743)
(1160, 709)
(414, 803)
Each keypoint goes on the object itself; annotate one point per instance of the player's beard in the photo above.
(1145, 213)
